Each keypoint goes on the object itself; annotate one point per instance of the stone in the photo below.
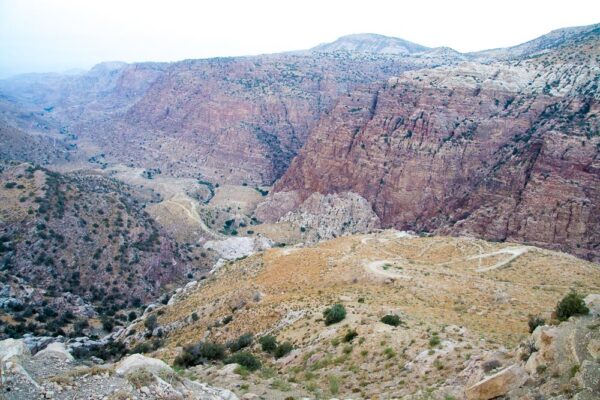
(138, 361)
(238, 247)
(592, 301)
(498, 384)
(56, 350)
(12, 348)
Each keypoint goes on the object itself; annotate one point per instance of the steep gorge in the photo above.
(505, 151)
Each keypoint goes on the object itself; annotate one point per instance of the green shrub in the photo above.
(391, 319)
(334, 314)
(245, 359)
(571, 304)
(241, 342)
(199, 353)
(534, 322)
(350, 335)
(268, 343)
(283, 349)
(151, 322)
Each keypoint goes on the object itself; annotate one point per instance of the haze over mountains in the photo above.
(122, 183)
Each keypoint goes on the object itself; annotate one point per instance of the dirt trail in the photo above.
(376, 267)
(191, 210)
(513, 251)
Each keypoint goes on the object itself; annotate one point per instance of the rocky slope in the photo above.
(542, 44)
(78, 246)
(505, 151)
(449, 295)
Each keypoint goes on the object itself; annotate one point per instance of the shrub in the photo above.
(434, 340)
(245, 359)
(350, 335)
(534, 322)
(140, 377)
(268, 343)
(197, 354)
(242, 342)
(151, 322)
(391, 319)
(334, 314)
(571, 304)
(283, 349)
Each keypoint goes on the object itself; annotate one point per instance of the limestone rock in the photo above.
(57, 350)
(333, 215)
(498, 384)
(138, 361)
(238, 247)
(12, 348)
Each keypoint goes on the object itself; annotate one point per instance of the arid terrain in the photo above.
(366, 219)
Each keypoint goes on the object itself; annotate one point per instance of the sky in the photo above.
(60, 35)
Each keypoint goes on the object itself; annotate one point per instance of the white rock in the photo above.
(57, 350)
(138, 361)
(10, 348)
(593, 303)
(238, 247)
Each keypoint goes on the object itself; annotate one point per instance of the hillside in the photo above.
(81, 244)
(450, 295)
(505, 151)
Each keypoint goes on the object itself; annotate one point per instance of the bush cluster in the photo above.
(571, 304)
(245, 359)
(199, 353)
(334, 314)
(391, 319)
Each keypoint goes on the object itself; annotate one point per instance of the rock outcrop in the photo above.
(505, 151)
(498, 384)
(324, 217)
(238, 247)
(49, 375)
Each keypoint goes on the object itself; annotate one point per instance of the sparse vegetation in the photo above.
(283, 349)
(241, 342)
(534, 322)
(334, 314)
(391, 319)
(268, 343)
(245, 359)
(200, 353)
(571, 304)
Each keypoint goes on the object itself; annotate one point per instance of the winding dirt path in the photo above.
(513, 252)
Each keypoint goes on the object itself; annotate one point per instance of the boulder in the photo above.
(56, 350)
(544, 340)
(498, 384)
(138, 361)
(206, 392)
(592, 301)
(12, 348)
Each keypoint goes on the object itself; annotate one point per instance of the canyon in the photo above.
(189, 210)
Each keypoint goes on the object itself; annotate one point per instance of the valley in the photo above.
(367, 218)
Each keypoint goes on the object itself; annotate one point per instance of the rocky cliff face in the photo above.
(506, 151)
(237, 119)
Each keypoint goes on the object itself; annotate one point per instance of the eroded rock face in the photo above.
(238, 247)
(498, 384)
(333, 215)
(500, 151)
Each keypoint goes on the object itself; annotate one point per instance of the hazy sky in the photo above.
(57, 35)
